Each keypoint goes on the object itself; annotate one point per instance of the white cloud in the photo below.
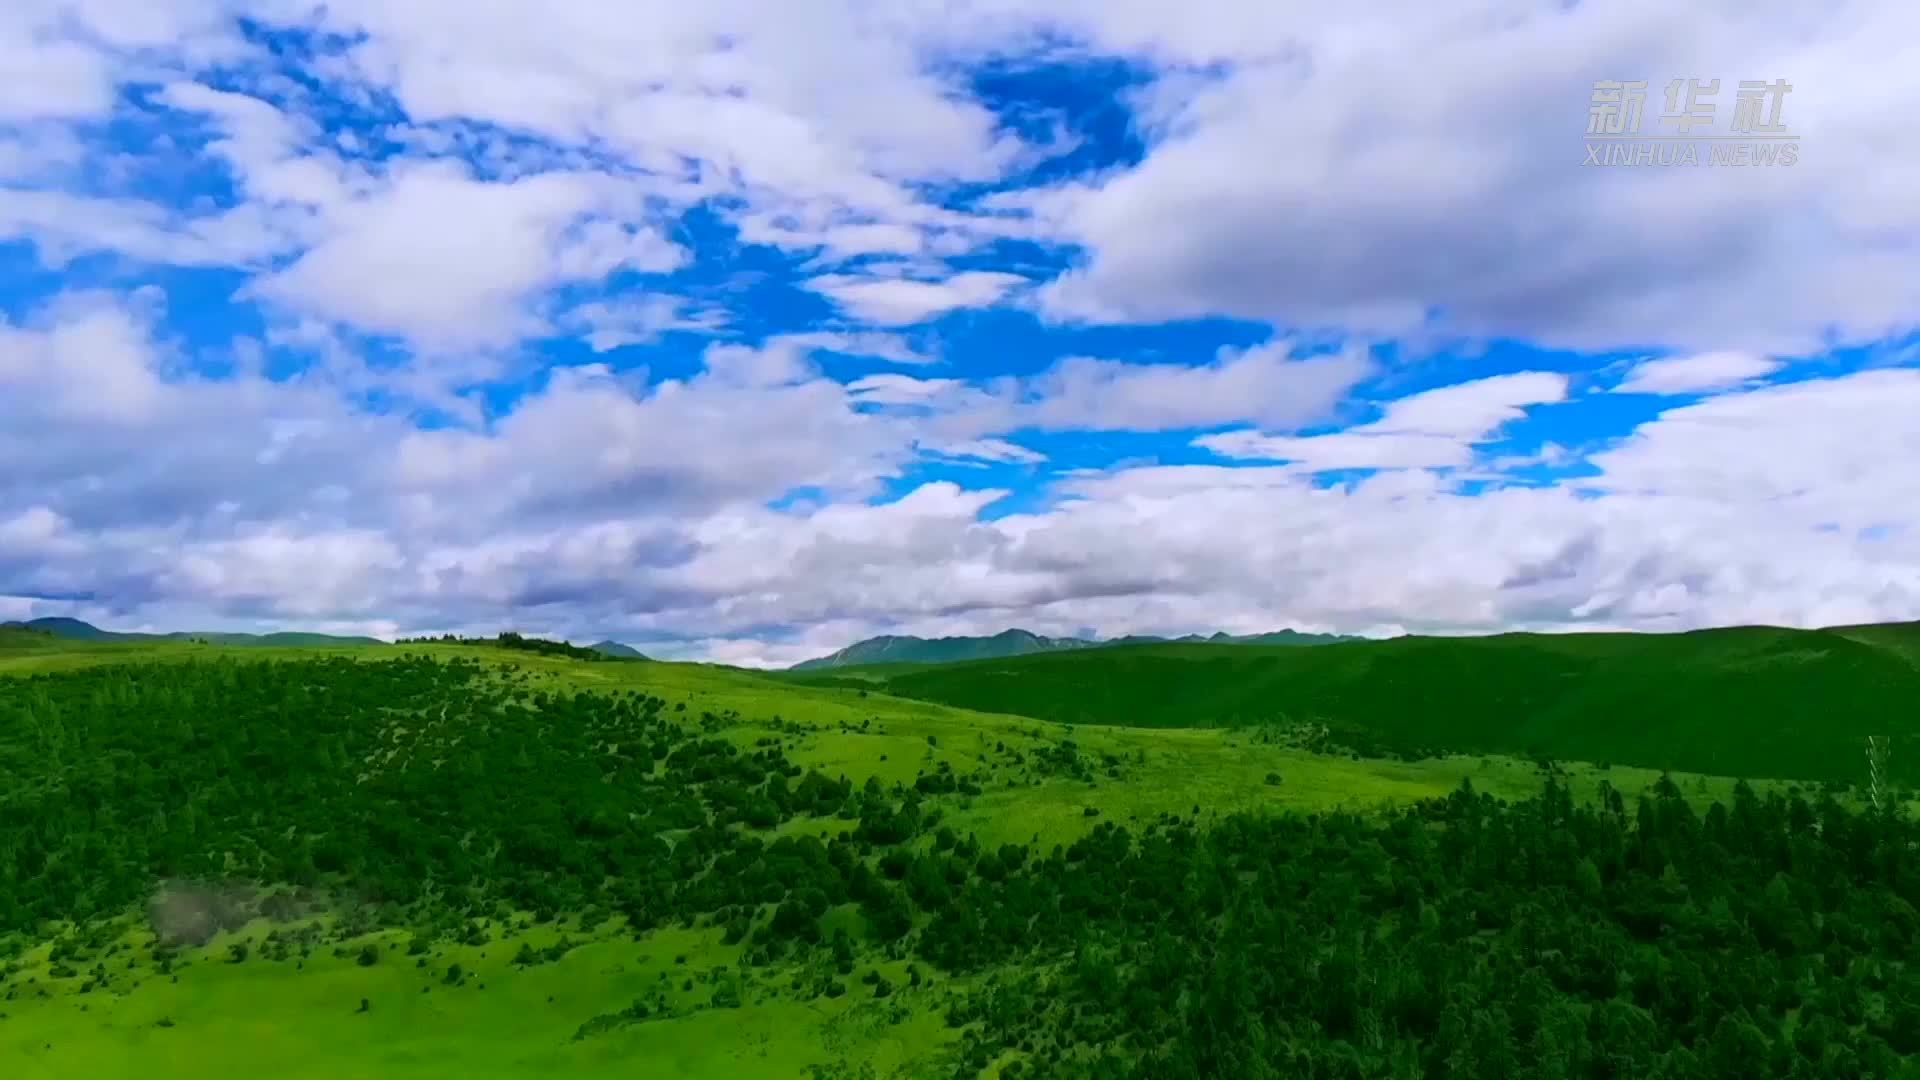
(1700, 372)
(813, 126)
(448, 261)
(1272, 384)
(1433, 429)
(298, 573)
(99, 424)
(583, 511)
(595, 446)
(64, 226)
(898, 301)
(1825, 451)
(743, 652)
(31, 531)
(55, 79)
(610, 324)
(17, 608)
(1370, 169)
(65, 58)
(263, 147)
(95, 365)
(1471, 410)
(1301, 167)
(1387, 170)
(778, 364)
(888, 388)
(38, 153)
(1268, 384)
(998, 450)
(869, 344)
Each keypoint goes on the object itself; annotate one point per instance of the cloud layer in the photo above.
(746, 330)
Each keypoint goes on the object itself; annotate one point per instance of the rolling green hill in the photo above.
(65, 628)
(77, 630)
(906, 649)
(1754, 701)
(614, 648)
(480, 859)
(15, 637)
(472, 859)
(1902, 638)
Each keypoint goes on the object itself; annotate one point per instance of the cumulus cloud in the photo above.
(1275, 383)
(998, 450)
(1823, 451)
(1300, 168)
(63, 227)
(1698, 373)
(1436, 428)
(581, 512)
(411, 413)
(1291, 175)
(610, 324)
(100, 424)
(66, 58)
(1380, 170)
(449, 261)
(1267, 384)
(900, 301)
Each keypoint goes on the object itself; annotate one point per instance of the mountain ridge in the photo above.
(910, 649)
(80, 630)
(610, 647)
(1735, 701)
(71, 629)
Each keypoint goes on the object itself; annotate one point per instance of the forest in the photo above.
(1736, 701)
(1467, 936)
(508, 639)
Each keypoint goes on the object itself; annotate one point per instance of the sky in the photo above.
(740, 331)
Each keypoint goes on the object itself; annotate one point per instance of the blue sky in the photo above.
(744, 332)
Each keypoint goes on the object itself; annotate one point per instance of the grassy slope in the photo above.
(266, 1018)
(259, 1017)
(897, 650)
(1901, 638)
(76, 630)
(30, 653)
(1750, 701)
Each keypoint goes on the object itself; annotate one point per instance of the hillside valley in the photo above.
(507, 861)
(1750, 701)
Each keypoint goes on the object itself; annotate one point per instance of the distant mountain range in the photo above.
(889, 649)
(85, 631)
(614, 648)
(906, 649)
(76, 630)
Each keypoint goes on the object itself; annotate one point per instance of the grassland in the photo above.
(1164, 768)
(212, 1017)
(260, 1018)
(1753, 701)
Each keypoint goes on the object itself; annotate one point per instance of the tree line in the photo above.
(508, 639)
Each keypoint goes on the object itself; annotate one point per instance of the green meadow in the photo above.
(429, 920)
(1745, 701)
